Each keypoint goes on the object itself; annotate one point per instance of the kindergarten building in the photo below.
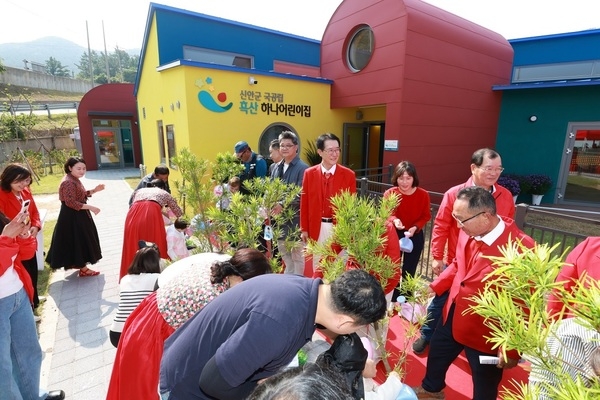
(394, 79)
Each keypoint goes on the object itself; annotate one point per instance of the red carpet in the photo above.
(458, 380)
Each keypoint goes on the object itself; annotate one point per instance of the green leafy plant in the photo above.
(360, 231)
(311, 154)
(514, 307)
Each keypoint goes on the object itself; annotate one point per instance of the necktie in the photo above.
(279, 173)
(327, 211)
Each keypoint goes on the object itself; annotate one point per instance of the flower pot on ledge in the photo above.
(536, 199)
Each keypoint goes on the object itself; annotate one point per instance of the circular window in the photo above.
(360, 48)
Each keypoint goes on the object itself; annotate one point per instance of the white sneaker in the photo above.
(37, 318)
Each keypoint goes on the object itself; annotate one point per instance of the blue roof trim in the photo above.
(160, 8)
(556, 35)
(189, 63)
(545, 85)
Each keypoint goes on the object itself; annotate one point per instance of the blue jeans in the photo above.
(434, 315)
(20, 351)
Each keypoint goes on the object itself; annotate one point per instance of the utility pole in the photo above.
(105, 54)
(89, 54)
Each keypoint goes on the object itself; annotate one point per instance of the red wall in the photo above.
(110, 101)
(433, 70)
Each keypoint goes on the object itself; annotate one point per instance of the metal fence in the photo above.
(527, 219)
(30, 108)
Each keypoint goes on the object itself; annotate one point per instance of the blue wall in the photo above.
(177, 28)
(566, 47)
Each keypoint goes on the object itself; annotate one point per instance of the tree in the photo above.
(122, 67)
(55, 68)
(2, 67)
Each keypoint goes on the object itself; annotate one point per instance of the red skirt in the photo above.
(136, 369)
(144, 221)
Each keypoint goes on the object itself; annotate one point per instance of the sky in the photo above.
(124, 20)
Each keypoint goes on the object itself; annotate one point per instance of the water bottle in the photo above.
(406, 245)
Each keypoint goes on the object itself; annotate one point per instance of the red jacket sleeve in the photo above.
(8, 253)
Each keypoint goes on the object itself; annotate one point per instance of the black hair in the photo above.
(479, 199)
(479, 155)
(324, 137)
(71, 161)
(245, 263)
(289, 135)
(158, 183)
(274, 144)
(13, 173)
(161, 170)
(359, 295)
(307, 382)
(409, 168)
(181, 223)
(146, 260)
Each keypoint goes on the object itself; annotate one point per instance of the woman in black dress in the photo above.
(75, 241)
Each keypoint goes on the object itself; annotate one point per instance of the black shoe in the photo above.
(420, 345)
(56, 395)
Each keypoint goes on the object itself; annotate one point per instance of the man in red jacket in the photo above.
(582, 259)
(482, 234)
(320, 183)
(486, 167)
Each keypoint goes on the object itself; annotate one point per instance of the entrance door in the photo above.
(108, 147)
(579, 180)
(363, 148)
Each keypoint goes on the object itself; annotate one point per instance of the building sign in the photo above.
(390, 145)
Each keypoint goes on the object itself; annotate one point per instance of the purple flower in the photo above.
(536, 183)
(511, 184)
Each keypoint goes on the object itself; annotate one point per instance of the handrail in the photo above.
(525, 213)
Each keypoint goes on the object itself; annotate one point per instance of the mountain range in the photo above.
(40, 50)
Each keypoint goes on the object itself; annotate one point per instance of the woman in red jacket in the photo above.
(20, 351)
(411, 214)
(14, 191)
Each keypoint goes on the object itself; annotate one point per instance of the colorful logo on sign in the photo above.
(207, 98)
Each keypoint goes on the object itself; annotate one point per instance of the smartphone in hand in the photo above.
(25, 209)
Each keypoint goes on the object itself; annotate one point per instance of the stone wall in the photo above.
(37, 80)
(8, 147)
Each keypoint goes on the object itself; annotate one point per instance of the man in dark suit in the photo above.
(482, 235)
(290, 170)
(322, 182)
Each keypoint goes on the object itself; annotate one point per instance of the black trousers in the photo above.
(32, 269)
(443, 350)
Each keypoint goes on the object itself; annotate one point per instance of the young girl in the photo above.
(135, 286)
(176, 246)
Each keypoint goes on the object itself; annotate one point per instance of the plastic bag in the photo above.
(406, 245)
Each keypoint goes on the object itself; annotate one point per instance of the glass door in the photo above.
(363, 148)
(108, 147)
(580, 170)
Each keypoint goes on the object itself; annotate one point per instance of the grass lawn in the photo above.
(47, 184)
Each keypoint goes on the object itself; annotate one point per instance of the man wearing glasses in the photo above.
(482, 235)
(322, 182)
(486, 167)
(255, 165)
(290, 170)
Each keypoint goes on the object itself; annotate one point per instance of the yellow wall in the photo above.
(206, 132)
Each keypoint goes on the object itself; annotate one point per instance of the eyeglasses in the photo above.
(332, 151)
(491, 169)
(286, 146)
(464, 221)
